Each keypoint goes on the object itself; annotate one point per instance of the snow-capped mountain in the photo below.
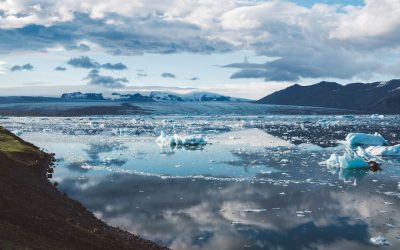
(153, 96)
(380, 97)
(191, 97)
(82, 96)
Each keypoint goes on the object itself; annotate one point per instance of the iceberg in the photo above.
(346, 161)
(379, 241)
(177, 140)
(354, 139)
(384, 150)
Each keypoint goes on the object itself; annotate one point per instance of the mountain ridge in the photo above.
(381, 97)
(153, 96)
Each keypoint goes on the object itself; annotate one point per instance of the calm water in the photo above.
(245, 189)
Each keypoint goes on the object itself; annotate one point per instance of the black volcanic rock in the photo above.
(377, 97)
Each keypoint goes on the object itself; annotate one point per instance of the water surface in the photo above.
(258, 184)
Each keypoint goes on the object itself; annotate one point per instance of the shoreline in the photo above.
(36, 215)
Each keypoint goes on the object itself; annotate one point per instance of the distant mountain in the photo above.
(131, 97)
(191, 97)
(376, 97)
(82, 96)
(153, 96)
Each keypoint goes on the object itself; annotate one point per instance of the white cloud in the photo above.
(319, 41)
(376, 20)
(2, 67)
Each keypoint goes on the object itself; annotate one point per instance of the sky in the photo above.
(243, 48)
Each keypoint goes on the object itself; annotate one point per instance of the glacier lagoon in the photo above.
(256, 182)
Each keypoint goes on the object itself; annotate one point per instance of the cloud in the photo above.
(83, 62)
(168, 75)
(88, 63)
(2, 68)
(94, 78)
(317, 66)
(28, 67)
(59, 68)
(194, 78)
(321, 40)
(117, 66)
(117, 34)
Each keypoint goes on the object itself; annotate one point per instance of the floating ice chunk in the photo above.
(177, 140)
(354, 139)
(332, 162)
(254, 210)
(384, 150)
(379, 241)
(345, 161)
(376, 116)
(17, 132)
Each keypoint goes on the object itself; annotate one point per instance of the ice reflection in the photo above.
(200, 214)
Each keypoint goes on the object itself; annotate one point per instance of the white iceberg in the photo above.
(376, 116)
(379, 241)
(384, 150)
(354, 139)
(346, 161)
(177, 140)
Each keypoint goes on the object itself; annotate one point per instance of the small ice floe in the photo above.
(376, 116)
(379, 241)
(177, 140)
(254, 210)
(17, 132)
(354, 139)
(300, 214)
(349, 160)
(384, 150)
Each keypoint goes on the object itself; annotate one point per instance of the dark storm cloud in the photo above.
(27, 67)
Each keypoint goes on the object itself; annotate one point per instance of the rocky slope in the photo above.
(35, 215)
